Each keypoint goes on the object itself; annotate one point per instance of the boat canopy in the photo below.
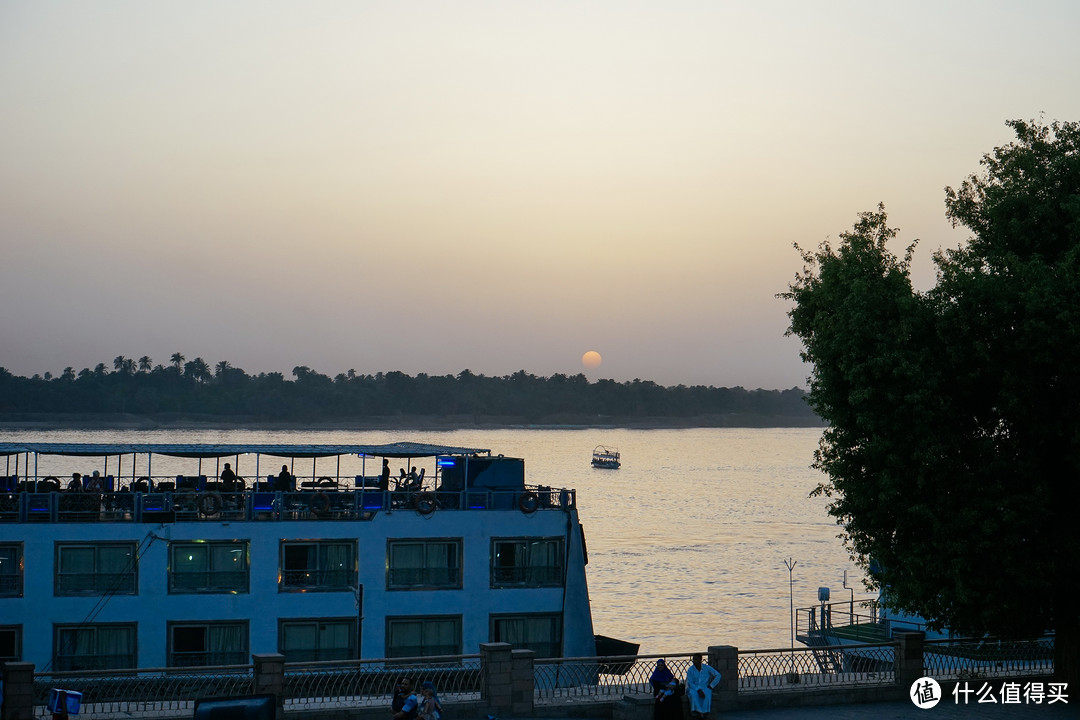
(201, 450)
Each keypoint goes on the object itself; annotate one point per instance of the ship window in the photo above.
(105, 646)
(95, 569)
(540, 633)
(208, 567)
(320, 639)
(212, 643)
(11, 570)
(423, 636)
(10, 643)
(322, 565)
(421, 564)
(526, 562)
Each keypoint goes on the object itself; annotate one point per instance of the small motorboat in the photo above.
(605, 457)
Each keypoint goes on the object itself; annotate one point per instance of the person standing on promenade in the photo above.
(700, 681)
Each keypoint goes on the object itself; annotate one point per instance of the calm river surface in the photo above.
(687, 541)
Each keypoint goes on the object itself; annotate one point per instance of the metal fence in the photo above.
(329, 685)
(150, 692)
(582, 679)
(988, 657)
(802, 668)
(370, 683)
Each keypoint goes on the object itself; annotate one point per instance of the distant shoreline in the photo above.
(33, 421)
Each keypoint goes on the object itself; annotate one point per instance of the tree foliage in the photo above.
(192, 388)
(952, 450)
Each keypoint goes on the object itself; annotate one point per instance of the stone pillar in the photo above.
(725, 659)
(909, 658)
(270, 678)
(18, 691)
(497, 694)
(521, 679)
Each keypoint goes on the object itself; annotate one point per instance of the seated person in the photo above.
(228, 479)
(93, 483)
(75, 484)
(414, 482)
(284, 481)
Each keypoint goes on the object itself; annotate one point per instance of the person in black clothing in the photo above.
(228, 479)
(284, 482)
(384, 478)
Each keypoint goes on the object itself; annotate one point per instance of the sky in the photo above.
(430, 187)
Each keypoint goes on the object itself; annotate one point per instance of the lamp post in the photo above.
(790, 565)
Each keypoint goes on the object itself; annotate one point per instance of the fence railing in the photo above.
(829, 666)
(599, 678)
(144, 693)
(370, 683)
(982, 658)
(331, 685)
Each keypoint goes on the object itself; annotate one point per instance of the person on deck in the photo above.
(284, 482)
(668, 692)
(76, 483)
(228, 479)
(384, 478)
(700, 681)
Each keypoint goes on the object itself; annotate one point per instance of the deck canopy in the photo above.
(199, 450)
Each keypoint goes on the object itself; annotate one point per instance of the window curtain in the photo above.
(338, 564)
(226, 643)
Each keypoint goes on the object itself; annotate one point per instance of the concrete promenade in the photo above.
(898, 710)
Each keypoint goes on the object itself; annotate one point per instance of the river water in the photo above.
(687, 542)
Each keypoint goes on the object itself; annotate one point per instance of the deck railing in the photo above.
(313, 504)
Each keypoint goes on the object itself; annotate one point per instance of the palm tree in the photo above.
(177, 360)
(197, 370)
(221, 368)
(145, 363)
(118, 363)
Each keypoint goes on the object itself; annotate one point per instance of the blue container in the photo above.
(64, 701)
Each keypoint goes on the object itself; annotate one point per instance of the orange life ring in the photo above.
(51, 483)
(210, 503)
(528, 502)
(319, 503)
(425, 503)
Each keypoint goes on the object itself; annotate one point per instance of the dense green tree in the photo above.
(953, 446)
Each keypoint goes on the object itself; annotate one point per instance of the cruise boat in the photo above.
(605, 457)
(157, 557)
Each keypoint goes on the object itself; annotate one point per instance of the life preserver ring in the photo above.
(319, 503)
(425, 503)
(327, 480)
(209, 503)
(51, 483)
(528, 502)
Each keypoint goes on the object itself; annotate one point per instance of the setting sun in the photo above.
(591, 359)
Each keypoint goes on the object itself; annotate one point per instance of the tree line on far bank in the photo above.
(184, 387)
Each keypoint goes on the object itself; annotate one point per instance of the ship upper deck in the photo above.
(160, 482)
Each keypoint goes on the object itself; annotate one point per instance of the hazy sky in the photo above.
(434, 186)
